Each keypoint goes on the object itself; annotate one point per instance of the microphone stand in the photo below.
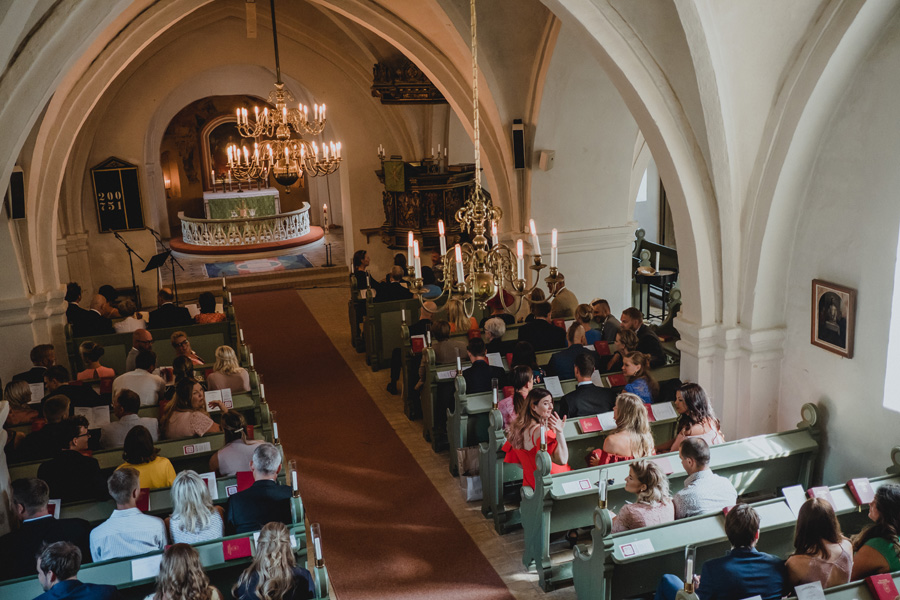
(131, 254)
(171, 257)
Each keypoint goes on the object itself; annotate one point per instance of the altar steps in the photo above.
(189, 289)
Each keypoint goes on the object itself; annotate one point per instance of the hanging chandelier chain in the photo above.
(275, 41)
(476, 123)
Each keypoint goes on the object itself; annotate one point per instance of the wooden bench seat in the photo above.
(759, 463)
(603, 571)
(382, 328)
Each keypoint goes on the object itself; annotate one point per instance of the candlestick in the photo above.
(657, 261)
(535, 242)
(275, 431)
(428, 338)
(460, 276)
(403, 315)
(315, 532)
(520, 259)
(458, 365)
(553, 248)
(601, 489)
(295, 487)
(262, 392)
(495, 398)
(543, 438)
(690, 555)
(442, 239)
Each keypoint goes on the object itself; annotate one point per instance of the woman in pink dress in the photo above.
(654, 504)
(524, 438)
(697, 419)
(186, 415)
(631, 438)
(523, 383)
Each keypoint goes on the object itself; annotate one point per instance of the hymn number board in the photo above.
(118, 195)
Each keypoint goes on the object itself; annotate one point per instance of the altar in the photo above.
(229, 205)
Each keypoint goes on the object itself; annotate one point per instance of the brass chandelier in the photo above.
(476, 272)
(275, 151)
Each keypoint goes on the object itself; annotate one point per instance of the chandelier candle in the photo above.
(460, 276)
(442, 239)
(494, 239)
(520, 259)
(553, 248)
(418, 260)
(535, 242)
(409, 247)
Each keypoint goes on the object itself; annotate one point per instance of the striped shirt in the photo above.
(127, 533)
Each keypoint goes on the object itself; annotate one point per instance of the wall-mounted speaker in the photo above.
(15, 194)
(518, 140)
(545, 162)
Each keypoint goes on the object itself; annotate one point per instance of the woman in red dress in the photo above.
(524, 438)
(631, 437)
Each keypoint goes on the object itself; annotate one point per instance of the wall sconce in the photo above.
(168, 185)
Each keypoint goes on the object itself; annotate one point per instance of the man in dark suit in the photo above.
(57, 570)
(494, 330)
(92, 322)
(264, 501)
(393, 289)
(648, 342)
(744, 572)
(72, 476)
(562, 364)
(74, 313)
(540, 332)
(18, 548)
(586, 399)
(420, 327)
(56, 383)
(44, 443)
(478, 377)
(42, 356)
(169, 315)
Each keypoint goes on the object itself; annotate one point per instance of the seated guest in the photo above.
(194, 517)
(704, 491)
(360, 265)
(420, 327)
(74, 313)
(150, 388)
(697, 418)
(586, 399)
(91, 353)
(498, 307)
(18, 394)
(429, 282)
(181, 576)
(182, 368)
(110, 308)
(524, 440)
(228, 373)
(139, 454)
(494, 330)
(523, 354)
(456, 315)
(742, 573)
(821, 553)
(603, 322)
(56, 383)
(127, 532)
(38, 527)
(564, 301)
(169, 315)
(186, 415)
(562, 363)
(584, 335)
(57, 571)
(42, 356)
(182, 346)
(540, 332)
(93, 322)
(631, 438)
(208, 314)
(43, 443)
(522, 383)
(641, 383)
(877, 549)
(235, 455)
(478, 377)
(445, 348)
(654, 504)
(71, 475)
(274, 572)
(125, 407)
(141, 340)
(393, 288)
(130, 323)
(626, 342)
(537, 295)
(264, 501)
(648, 341)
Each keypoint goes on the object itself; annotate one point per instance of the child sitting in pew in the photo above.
(654, 504)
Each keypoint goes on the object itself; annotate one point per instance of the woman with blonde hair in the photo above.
(456, 314)
(91, 353)
(18, 394)
(194, 517)
(631, 438)
(524, 439)
(654, 504)
(228, 373)
(181, 576)
(274, 574)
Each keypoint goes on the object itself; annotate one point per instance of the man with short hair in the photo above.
(38, 527)
(141, 341)
(564, 302)
(126, 406)
(264, 501)
(478, 376)
(127, 532)
(586, 399)
(704, 491)
(169, 315)
(57, 569)
(540, 332)
(393, 288)
(150, 388)
(494, 330)
(74, 313)
(562, 363)
(56, 383)
(43, 443)
(744, 572)
(42, 356)
(648, 342)
(93, 322)
(606, 325)
(71, 475)
(182, 346)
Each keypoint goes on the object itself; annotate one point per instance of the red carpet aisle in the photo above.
(387, 532)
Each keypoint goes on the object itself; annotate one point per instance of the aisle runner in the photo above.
(257, 265)
(387, 532)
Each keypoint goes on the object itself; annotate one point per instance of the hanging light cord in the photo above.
(275, 40)
(474, 98)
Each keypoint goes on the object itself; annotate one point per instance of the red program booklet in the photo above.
(561, 323)
(237, 548)
(882, 586)
(821, 491)
(650, 416)
(862, 490)
(509, 358)
(418, 343)
(617, 379)
(602, 348)
(244, 480)
(589, 425)
(143, 501)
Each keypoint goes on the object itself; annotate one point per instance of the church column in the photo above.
(74, 251)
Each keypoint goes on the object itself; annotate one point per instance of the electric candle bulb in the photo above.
(553, 248)
(520, 259)
(494, 239)
(458, 365)
(409, 247)
(442, 239)
(495, 397)
(339, 150)
(534, 238)
(256, 112)
(418, 260)
(543, 437)
(460, 276)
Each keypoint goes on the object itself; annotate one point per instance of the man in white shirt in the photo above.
(704, 491)
(141, 339)
(149, 387)
(127, 532)
(126, 405)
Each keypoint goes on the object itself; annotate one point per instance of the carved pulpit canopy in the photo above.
(400, 81)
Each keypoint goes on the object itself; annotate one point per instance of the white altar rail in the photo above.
(245, 231)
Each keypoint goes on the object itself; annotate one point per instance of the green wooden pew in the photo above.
(602, 571)
(382, 328)
(356, 305)
(497, 476)
(759, 463)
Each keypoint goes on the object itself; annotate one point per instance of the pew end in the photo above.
(894, 469)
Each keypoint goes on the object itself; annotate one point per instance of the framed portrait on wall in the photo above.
(833, 317)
